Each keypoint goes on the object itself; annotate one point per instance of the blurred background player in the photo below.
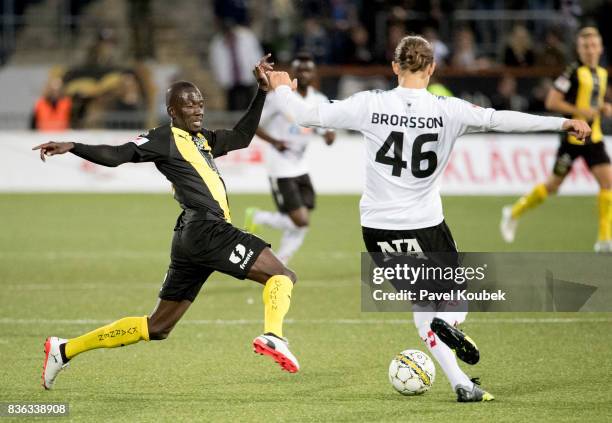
(401, 204)
(292, 189)
(578, 93)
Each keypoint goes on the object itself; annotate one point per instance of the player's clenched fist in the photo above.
(52, 148)
(578, 128)
(281, 78)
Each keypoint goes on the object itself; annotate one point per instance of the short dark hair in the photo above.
(176, 88)
(303, 57)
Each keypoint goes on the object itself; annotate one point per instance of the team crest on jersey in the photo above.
(201, 144)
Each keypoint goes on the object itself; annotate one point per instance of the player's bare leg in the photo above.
(165, 316)
(278, 283)
(511, 213)
(603, 175)
(126, 331)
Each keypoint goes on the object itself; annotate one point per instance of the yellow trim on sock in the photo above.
(604, 200)
(529, 201)
(126, 331)
(277, 299)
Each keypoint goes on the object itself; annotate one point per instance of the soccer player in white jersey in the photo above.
(409, 134)
(292, 189)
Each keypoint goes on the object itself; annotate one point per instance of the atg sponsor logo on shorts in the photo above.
(240, 255)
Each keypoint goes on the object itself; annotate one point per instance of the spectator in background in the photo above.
(233, 53)
(52, 110)
(142, 37)
(552, 52)
(440, 50)
(537, 99)
(104, 52)
(314, 39)
(358, 50)
(518, 51)
(507, 97)
(127, 109)
(395, 32)
(464, 49)
(602, 18)
(235, 10)
(99, 75)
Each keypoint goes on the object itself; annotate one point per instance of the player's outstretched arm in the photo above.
(509, 121)
(243, 132)
(578, 128)
(305, 114)
(53, 148)
(105, 155)
(345, 114)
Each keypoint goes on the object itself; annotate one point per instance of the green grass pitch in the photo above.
(69, 263)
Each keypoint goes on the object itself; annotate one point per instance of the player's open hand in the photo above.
(281, 78)
(260, 71)
(578, 128)
(52, 148)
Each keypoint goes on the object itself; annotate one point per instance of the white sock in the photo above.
(275, 220)
(441, 353)
(290, 242)
(453, 312)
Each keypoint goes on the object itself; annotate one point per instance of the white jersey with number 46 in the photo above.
(409, 135)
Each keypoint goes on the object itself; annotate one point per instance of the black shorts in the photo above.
(202, 245)
(592, 153)
(434, 239)
(292, 193)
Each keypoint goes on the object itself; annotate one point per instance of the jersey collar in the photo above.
(411, 90)
(184, 133)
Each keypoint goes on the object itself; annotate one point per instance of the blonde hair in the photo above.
(413, 53)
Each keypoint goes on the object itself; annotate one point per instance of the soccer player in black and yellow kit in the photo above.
(204, 239)
(578, 93)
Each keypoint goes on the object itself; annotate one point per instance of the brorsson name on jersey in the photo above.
(407, 121)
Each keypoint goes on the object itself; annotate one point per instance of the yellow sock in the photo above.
(605, 215)
(528, 201)
(276, 298)
(126, 331)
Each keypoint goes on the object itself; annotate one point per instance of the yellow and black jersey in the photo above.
(584, 87)
(185, 159)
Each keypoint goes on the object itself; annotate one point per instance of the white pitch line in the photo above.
(244, 322)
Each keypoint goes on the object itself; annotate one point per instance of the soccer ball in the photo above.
(412, 372)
